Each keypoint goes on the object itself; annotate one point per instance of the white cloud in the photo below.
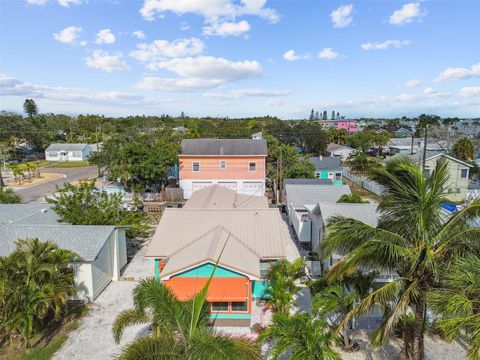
(342, 16)
(226, 28)
(139, 34)
(202, 72)
(275, 102)
(291, 55)
(413, 83)
(248, 92)
(407, 14)
(68, 35)
(37, 2)
(459, 73)
(159, 50)
(106, 61)
(69, 95)
(67, 3)
(328, 54)
(211, 10)
(385, 44)
(184, 26)
(105, 36)
(470, 91)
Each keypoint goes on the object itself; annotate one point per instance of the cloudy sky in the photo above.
(241, 57)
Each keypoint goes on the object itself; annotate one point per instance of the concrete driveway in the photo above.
(37, 192)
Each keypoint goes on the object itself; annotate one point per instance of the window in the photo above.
(464, 173)
(252, 166)
(449, 191)
(223, 164)
(304, 218)
(239, 306)
(338, 176)
(53, 154)
(196, 166)
(77, 154)
(458, 191)
(219, 306)
(265, 267)
(317, 175)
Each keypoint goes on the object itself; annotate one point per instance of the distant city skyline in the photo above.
(241, 58)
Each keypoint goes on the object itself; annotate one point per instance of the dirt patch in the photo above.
(44, 177)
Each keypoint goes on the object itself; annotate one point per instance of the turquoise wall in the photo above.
(157, 270)
(258, 288)
(230, 316)
(205, 270)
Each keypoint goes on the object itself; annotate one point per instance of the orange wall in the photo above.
(237, 167)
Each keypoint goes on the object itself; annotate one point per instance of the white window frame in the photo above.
(230, 303)
(193, 166)
(249, 168)
(461, 173)
(224, 164)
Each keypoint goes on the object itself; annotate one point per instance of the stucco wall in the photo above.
(236, 168)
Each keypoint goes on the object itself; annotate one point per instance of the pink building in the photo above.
(349, 125)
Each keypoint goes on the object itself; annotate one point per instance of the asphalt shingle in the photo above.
(220, 147)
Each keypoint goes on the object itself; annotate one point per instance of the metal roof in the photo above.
(332, 147)
(27, 214)
(366, 213)
(308, 182)
(85, 241)
(224, 147)
(66, 147)
(301, 195)
(220, 197)
(261, 230)
(217, 244)
(326, 163)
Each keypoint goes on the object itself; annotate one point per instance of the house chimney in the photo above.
(320, 157)
(221, 150)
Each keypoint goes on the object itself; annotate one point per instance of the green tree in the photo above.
(301, 336)
(30, 107)
(8, 196)
(333, 114)
(458, 301)
(34, 287)
(362, 140)
(464, 149)
(412, 239)
(312, 115)
(324, 116)
(302, 169)
(360, 162)
(82, 205)
(179, 328)
(352, 199)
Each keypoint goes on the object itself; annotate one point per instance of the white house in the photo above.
(69, 152)
(299, 197)
(341, 151)
(101, 250)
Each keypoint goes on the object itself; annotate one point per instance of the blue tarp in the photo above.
(451, 208)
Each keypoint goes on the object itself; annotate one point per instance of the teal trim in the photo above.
(230, 316)
(338, 182)
(157, 270)
(324, 174)
(258, 288)
(205, 270)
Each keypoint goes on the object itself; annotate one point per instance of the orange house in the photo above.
(238, 164)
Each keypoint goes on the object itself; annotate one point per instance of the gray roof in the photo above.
(366, 213)
(332, 147)
(326, 163)
(21, 221)
(301, 195)
(66, 147)
(85, 241)
(27, 214)
(218, 147)
(308, 182)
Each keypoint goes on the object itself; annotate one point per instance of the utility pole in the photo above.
(411, 146)
(425, 149)
(96, 133)
(280, 174)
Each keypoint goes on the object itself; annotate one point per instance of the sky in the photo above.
(241, 58)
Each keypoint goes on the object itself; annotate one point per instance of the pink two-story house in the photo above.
(238, 164)
(349, 125)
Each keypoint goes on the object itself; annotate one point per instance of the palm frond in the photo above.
(127, 318)
(149, 348)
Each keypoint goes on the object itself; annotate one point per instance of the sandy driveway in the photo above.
(93, 339)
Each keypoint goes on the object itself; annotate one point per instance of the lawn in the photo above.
(69, 164)
(38, 163)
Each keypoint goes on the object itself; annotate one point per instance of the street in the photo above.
(38, 192)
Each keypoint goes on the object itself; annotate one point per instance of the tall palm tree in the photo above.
(303, 336)
(413, 239)
(458, 301)
(179, 328)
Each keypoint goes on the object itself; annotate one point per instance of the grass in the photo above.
(69, 164)
(363, 193)
(45, 353)
(38, 163)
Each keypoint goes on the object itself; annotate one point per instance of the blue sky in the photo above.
(241, 58)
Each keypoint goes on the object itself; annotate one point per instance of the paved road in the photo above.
(38, 192)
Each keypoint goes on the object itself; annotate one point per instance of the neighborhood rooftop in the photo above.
(326, 163)
(366, 213)
(66, 147)
(226, 147)
(308, 182)
(219, 197)
(301, 195)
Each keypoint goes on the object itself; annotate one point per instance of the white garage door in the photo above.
(229, 185)
(253, 188)
(197, 185)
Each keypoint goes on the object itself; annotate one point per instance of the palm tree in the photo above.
(412, 239)
(8, 196)
(464, 149)
(301, 336)
(179, 328)
(336, 299)
(458, 301)
(34, 286)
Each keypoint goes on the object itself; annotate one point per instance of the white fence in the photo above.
(365, 183)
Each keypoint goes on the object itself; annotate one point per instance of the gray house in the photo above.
(69, 152)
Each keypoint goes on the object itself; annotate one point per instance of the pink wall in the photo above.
(350, 125)
(236, 167)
